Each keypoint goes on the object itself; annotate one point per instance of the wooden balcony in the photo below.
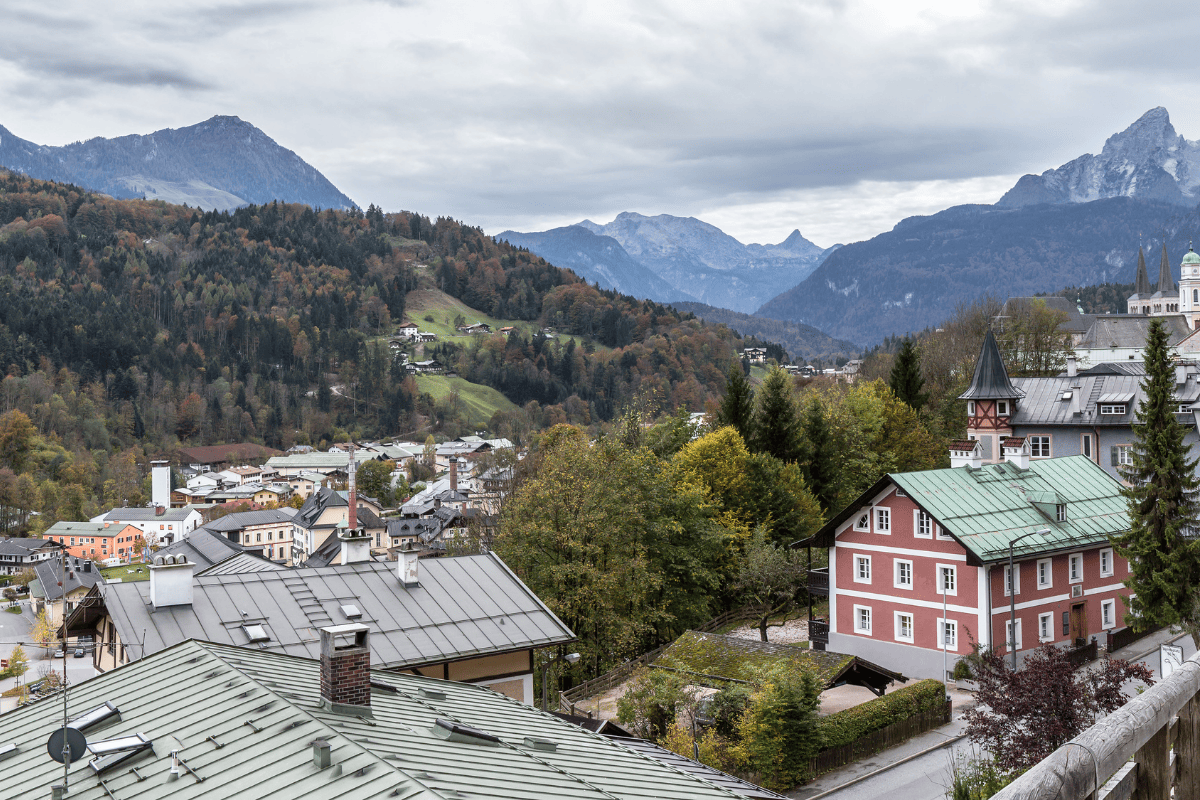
(818, 582)
(818, 633)
(1149, 748)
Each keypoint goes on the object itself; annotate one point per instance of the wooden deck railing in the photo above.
(1143, 750)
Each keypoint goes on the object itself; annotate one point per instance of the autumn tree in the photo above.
(16, 437)
(1023, 716)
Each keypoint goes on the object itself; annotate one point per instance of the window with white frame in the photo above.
(1046, 627)
(1012, 580)
(948, 635)
(1039, 446)
(862, 619)
(970, 408)
(1185, 408)
(1075, 567)
(863, 523)
(1122, 455)
(1108, 613)
(924, 525)
(1085, 445)
(1112, 408)
(1060, 512)
(904, 574)
(883, 520)
(862, 569)
(1045, 573)
(1002, 408)
(947, 579)
(1106, 562)
(1008, 634)
(904, 627)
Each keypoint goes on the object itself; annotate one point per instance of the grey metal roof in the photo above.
(146, 514)
(465, 606)
(13, 546)
(244, 519)
(244, 721)
(990, 381)
(50, 573)
(203, 547)
(1043, 403)
(317, 462)
(242, 562)
(1130, 331)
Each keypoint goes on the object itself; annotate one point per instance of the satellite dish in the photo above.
(76, 745)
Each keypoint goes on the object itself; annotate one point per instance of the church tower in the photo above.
(991, 401)
(1189, 288)
(1139, 301)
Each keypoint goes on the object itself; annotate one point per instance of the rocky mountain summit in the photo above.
(221, 163)
(1148, 160)
(688, 259)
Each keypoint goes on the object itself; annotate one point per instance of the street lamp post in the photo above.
(570, 658)
(1012, 596)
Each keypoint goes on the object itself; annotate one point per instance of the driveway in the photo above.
(14, 629)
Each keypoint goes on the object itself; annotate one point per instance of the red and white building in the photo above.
(918, 564)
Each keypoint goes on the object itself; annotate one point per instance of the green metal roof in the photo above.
(987, 508)
(243, 720)
(1191, 258)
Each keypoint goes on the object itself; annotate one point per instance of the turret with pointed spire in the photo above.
(1166, 284)
(1141, 284)
(991, 400)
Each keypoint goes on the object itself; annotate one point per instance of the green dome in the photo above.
(1191, 259)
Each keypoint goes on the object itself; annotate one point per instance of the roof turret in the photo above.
(1141, 284)
(1165, 281)
(991, 378)
(1192, 259)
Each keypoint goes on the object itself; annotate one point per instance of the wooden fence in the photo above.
(881, 739)
(1142, 750)
(1084, 654)
(1123, 637)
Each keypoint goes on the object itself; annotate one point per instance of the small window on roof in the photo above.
(351, 611)
(1066, 395)
(256, 633)
(457, 732)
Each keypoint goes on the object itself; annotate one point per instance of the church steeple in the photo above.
(1141, 284)
(991, 380)
(1165, 281)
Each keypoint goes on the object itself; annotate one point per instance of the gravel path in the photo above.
(792, 631)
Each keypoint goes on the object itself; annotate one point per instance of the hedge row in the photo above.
(852, 724)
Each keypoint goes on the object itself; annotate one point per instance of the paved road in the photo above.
(15, 629)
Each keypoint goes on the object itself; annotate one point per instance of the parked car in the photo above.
(79, 652)
(58, 654)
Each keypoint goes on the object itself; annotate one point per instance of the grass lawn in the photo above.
(480, 402)
(13, 609)
(127, 573)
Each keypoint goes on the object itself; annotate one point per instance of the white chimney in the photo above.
(1016, 452)
(160, 483)
(356, 546)
(408, 566)
(170, 582)
(1076, 400)
(966, 453)
(1072, 368)
(1180, 374)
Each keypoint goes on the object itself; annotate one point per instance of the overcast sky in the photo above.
(837, 117)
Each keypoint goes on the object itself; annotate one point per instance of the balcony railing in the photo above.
(818, 581)
(1144, 750)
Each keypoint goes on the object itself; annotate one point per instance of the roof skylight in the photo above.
(256, 633)
(457, 732)
(351, 611)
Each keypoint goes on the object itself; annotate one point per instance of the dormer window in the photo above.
(1185, 408)
(1112, 408)
(1002, 408)
(1060, 512)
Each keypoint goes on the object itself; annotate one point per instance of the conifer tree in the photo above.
(1164, 559)
(906, 380)
(737, 407)
(818, 456)
(776, 423)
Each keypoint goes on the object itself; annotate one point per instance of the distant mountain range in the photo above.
(668, 258)
(222, 163)
(1078, 225)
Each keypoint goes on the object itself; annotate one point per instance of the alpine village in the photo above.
(302, 500)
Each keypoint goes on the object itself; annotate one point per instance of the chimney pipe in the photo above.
(408, 566)
(356, 546)
(170, 582)
(346, 669)
(352, 514)
(453, 473)
(322, 754)
(1076, 401)
(1072, 367)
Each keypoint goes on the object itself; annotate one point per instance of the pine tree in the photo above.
(1164, 563)
(906, 380)
(817, 458)
(737, 407)
(776, 424)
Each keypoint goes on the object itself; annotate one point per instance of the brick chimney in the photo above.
(453, 473)
(346, 669)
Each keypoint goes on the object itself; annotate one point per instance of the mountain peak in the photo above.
(1147, 160)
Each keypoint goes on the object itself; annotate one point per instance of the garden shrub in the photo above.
(779, 731)
(850, 725)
